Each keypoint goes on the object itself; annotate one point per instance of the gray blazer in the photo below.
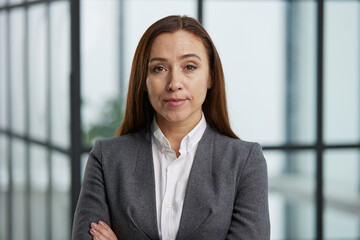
(226, 196)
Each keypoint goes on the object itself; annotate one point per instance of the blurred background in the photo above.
(292, 79)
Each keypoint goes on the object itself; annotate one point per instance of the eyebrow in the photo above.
(160, 59)
(190, 55)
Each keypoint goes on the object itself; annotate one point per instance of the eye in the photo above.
(158, 69)
(190, 67)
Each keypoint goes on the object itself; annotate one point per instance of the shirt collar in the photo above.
(187, 143)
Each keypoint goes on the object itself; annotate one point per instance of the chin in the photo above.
(174, 119)
(177, 117)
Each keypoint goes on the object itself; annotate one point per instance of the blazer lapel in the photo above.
(143, 210)
(196, 208)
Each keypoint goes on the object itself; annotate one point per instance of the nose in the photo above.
(175, 81)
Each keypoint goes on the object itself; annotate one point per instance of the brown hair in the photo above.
(139, 113)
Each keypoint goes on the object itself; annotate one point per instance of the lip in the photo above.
(175, 102)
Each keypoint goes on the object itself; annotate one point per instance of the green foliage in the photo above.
(110, 120)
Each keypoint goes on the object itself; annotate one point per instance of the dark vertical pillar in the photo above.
(200, 10)
(75, 96)
(319, 125)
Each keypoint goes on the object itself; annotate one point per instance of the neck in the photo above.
(175, 132)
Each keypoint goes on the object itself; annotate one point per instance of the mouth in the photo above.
(175, 102)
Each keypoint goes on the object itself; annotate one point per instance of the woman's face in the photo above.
(178, 78)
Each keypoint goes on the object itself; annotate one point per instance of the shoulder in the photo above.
(232, 147)
(122, 144)
(127, 139)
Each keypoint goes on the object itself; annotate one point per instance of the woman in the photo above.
(176, 169)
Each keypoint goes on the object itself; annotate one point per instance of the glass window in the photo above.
(253, 56)
(60, 72)
(13, 2)
(17, 56)
(2, 3)
(19, 181)
(3, 215)
(291, 194)
(38, 169)
(4, 174)
(4, 184)
(269, 65)
(342, 194)
(341, 70)
(61, 177)
(18, 165)
(3, 71)
(38, 71)
(99, 58)
(301, 72)
(60, 173)
(39, 176)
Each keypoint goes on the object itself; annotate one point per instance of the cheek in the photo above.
(151, 90)
(200, 91)
(149, 87)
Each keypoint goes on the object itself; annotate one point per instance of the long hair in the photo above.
(139, 113)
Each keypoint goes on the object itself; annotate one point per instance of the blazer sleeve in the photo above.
(92, 204)
(250, 218)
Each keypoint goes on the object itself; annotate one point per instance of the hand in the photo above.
(101, 231)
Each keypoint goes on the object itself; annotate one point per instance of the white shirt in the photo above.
(172, 175)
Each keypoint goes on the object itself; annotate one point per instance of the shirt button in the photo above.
(171, 169)
(168, 205)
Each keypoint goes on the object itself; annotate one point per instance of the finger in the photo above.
(104, 225)
(98, 236)
(95, 234)
(98, 232)
(106, 230)
(102, 231)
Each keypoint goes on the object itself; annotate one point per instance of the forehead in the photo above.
(177, 43)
